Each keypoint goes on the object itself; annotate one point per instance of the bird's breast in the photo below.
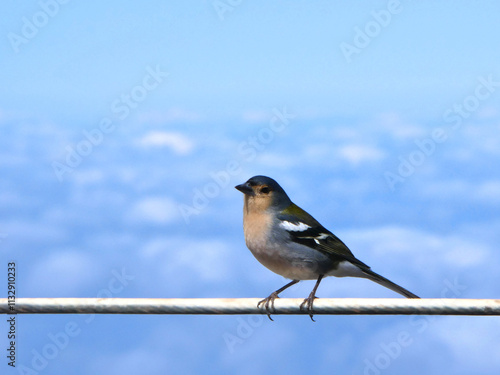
(293, 261)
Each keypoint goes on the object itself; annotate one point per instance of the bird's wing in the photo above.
(306, 230)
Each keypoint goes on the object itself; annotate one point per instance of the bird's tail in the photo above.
(388, 283)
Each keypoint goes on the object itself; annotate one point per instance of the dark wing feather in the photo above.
(319, 238)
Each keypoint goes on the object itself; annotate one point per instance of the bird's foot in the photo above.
(308, 305)
(269, 304)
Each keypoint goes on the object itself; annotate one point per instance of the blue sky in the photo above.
(125, 127)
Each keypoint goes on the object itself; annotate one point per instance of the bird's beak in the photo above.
(245, 189)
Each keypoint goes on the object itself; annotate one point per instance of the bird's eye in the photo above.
(265, 190)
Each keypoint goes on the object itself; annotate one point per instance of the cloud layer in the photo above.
(119, 211)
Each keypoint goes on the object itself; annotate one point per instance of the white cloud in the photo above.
(209, 259)
(489, 192)
(206, 260)
(169, 116)
(355, 153)
(88, 176)
(473, 345)
(446, 189)
(35, 231)
(158, 210)
(393, 124)
(257, 116)
(487, 112)
(156, 247)
(465, 345)
(178, 143)
(423, 257)
(271, 159)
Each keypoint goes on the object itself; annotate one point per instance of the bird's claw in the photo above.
(269, 304)
(308, 305)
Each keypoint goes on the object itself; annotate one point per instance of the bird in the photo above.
(290, 242)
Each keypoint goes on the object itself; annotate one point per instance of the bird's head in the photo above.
(263, 192)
